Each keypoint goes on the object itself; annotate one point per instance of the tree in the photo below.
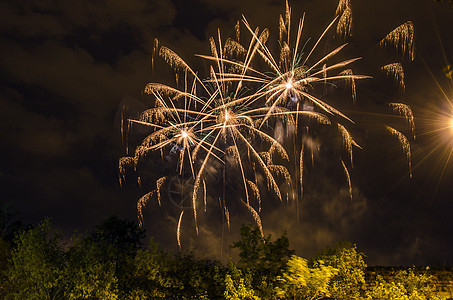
(115, 242)
(5, 253)
(36, 269)
(149, 278)
(299, 281)
(9, 226)
(162, 275)
(349, 281)
(263, 258)
(238, 284)
(87, 276)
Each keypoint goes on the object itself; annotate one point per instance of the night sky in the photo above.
(67, 69)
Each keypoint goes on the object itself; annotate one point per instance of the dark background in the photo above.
(67, 68)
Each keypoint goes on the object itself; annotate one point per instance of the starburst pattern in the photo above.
(246, 121)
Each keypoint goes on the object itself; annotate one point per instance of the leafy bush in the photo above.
(35, 270)
(349, 281)
(300, 281)
(404, 284)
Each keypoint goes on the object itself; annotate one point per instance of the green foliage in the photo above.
(404, 284)
(299, 281)
(161, 275)
(258, 253)
(448, 69)
(5, 254)
(238, 284)
(36, 269)
(111, 264)
(349, 281)
(263, 258)
(86, 275)
(114, 244)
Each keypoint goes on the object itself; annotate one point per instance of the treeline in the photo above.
(110, 262)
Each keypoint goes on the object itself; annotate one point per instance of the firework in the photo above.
(230, 118)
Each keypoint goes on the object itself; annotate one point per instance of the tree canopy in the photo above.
(111, 262)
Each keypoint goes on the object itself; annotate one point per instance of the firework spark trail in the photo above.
(256, 193)
(301, 176)
(348, 141)
(197, 183)
(405, 145)
(396, 71)
(141, 203)
(405, 111)
(348, 178)
(402, 38)
(178, 230)
(204, 196)
(351, 81)
(342, 6)
(159, 183)
(344, 27)
(122, 164)
(255, 216)
(270, 179)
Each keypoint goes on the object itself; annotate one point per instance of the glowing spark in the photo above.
(289, 85)
(227, 116)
